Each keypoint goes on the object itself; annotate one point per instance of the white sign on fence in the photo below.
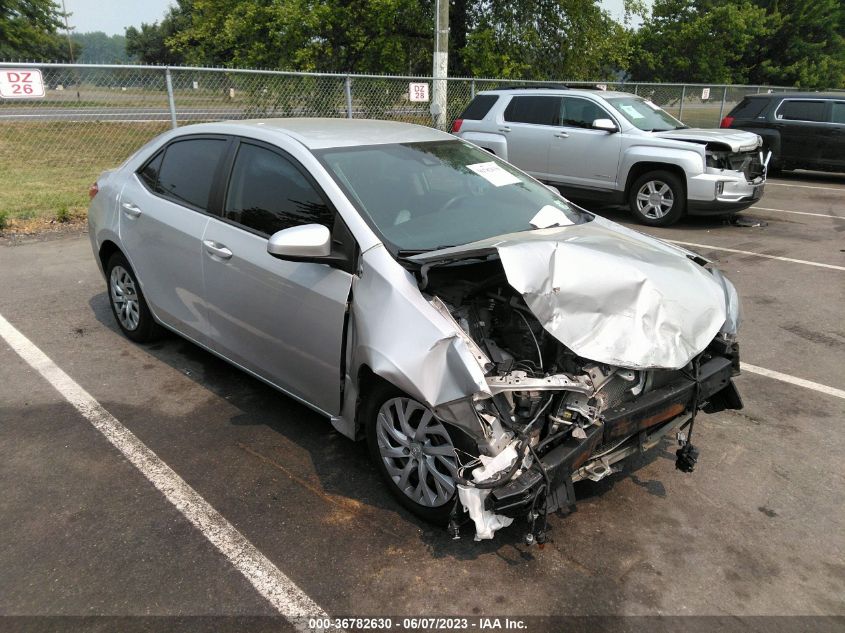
(21, 84)
(705, 94)
(418, 92)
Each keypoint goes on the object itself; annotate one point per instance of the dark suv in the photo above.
(803, 130)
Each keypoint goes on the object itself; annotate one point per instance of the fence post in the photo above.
(170, 100)
(348, 89)
(472, 89)
(636, 89)
(681, 109)
(722, 107)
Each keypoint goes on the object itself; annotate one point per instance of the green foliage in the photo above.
(63, 215)
(549, 39)
(150, 43)
(98, 48)
(29, 29)
(4, 219)
(786, 42)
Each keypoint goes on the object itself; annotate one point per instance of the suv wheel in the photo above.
(127, 301)
(657, 198)
(413, 451)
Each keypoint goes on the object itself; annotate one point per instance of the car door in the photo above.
(834, 149)
(803, 128)
(528, 125)
(282, 320)
(163, 215)
(579, 154)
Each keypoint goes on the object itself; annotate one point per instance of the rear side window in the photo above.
(838, 112)
(149, 174)
(531, 109)
(797, 110)
(749, 108)
(188, 169)
(267, 193)
(479, 107)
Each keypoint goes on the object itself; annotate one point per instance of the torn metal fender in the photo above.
(404, 339)
(733, 311)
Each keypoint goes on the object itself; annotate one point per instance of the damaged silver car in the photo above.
(491, 341)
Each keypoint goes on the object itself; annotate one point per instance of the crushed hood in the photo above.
(608, 293)
(736, 140)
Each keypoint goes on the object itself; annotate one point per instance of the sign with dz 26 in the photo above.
(24, 83)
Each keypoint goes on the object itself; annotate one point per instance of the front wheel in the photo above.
(414, 452)
(658, 198)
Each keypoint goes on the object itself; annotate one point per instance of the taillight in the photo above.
(93, 190)
(727, 121)
(456, 125)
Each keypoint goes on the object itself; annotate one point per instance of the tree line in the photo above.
(783, 42)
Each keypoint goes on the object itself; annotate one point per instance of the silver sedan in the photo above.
(492, 342)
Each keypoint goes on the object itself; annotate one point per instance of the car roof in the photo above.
(797, 95)
(320, 133)
(569, 92)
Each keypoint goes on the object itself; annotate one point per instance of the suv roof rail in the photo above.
(535, 87)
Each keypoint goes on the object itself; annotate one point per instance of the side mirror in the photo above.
(297, 242)
(605, 124)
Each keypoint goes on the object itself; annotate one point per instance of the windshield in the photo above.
(423, 196)
(645, 115)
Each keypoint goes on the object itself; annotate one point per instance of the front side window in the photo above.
(422, 196)
(267, 193)
(644, 114)
(797, 110)
(188, 169)
(576, 112)
(530, 109)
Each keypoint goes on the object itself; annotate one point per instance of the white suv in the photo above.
(618, 148)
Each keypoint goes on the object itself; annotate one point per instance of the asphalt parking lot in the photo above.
(756, 530)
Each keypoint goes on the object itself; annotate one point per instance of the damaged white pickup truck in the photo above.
(492, 342)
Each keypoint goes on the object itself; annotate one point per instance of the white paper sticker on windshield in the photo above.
(494, 174)
(549, 216)
(631, 111)
(651, 105)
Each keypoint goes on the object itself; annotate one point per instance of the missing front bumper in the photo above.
(630, 428)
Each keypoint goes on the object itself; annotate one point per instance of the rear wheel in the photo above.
(127, 302)
(414, 452)
(657, 198)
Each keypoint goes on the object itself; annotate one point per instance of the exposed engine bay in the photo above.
(553, 417)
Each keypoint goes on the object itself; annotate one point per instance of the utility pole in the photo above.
(441, 63)
(67, 32)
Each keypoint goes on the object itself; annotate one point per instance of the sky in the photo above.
(113, 16)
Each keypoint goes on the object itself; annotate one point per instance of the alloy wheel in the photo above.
(655, 199)
(417, 451)
(124, 298)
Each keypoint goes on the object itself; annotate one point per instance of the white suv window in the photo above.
(539, 110)
(578, 112)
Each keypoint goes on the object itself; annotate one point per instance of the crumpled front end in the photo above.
(558, 352)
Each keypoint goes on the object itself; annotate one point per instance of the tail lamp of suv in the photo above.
(726, 122)
(456, 125)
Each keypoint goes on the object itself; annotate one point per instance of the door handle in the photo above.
(504, 129)
(561, 135)
(215, 249)
(130, 209)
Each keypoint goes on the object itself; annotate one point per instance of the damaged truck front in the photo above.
(556, 352)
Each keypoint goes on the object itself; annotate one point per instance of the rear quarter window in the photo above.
(479, 107)
(750, 108)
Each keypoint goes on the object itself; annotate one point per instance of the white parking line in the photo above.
(793, 380)
(818, 215)
(777, 257)
(288, 599)
(769, 183)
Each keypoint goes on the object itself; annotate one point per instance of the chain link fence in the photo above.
(92, 117)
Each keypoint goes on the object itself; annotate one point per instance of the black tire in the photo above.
(147, 329)
(380, 394)
(653, 216)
